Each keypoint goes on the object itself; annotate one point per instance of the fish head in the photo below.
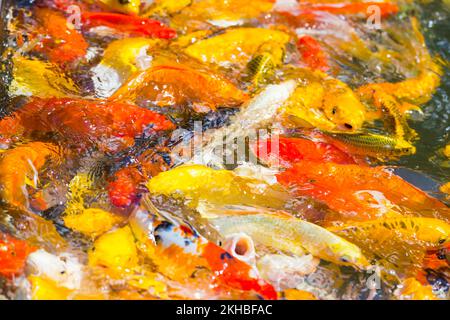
(435, 232)
(404, 148)
(347, 254)
(342, 107)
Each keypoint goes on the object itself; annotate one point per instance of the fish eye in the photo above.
(334, 110)
(442, 240)
(345, 259)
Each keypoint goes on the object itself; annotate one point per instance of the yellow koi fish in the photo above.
(40, 79)
(283, 232)
(196, 183)
(235, 46)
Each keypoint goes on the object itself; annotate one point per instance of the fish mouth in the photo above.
(345, 127)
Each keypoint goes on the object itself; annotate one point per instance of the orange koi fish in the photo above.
(293, 150)
(13, 255)
(64, 44)
(20, 167)
(357, 192)
(178, 84)
(109, 125)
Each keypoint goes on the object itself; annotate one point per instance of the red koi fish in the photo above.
(13, 255)
(312, 54)
(358, 192)
(64, 44)
(293, 150)
(128, 24)
(109, 125)
(125, 189)
(179, 251)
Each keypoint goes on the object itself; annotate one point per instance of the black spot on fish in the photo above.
(226, 256)
(164, 226)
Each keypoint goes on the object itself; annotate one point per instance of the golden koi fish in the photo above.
(235, 46)
(199, 183)
(283, 232)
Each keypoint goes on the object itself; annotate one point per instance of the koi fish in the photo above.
(262, 67)
(182, 84)
(373, 145)
(311, 53)
(121, 59)
(283, 232)
(196, 183)
(235, 46)
(65, 44)
(124, 189)
(127, 184)
(430, 233)
(136, 26)
(397, 243)
(392, 107)
(92, 222)
(20, 168)
(40, 79)
(110, 125)
(182, 245)
(293, 150)
(372, 192)
(323, 102)
(13, 255)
